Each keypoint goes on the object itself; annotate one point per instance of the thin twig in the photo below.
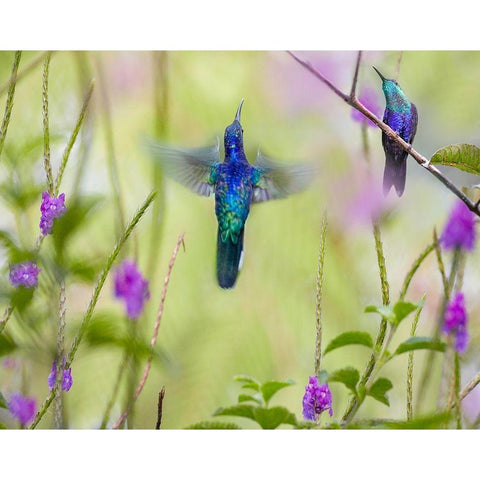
(161, 396)
(25, 71)
(421, 160)
(59, 356)
(93, 302)
(9, 104)
(353, 91)
(73, 137)
(318, 312)
(46, 132)
(155, 333)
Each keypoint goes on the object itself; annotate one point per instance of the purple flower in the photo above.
(455, 321)
(316, 400)
(51, 208)
(132, 287)
(369, 99)
(22, 408)
(67, 380)
(459, 232)
(24, 274)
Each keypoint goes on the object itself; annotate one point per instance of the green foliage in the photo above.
(379, 389)
(350, 338)
(349, 376)
(3, 402)
(396, 313)
(420, 343)
(438, 420)
(460, 155)
(266, 417)
(2, 426)
(213, 426)
(7, 345)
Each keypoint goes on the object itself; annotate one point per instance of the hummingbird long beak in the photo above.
(239, 111)
(379, 74)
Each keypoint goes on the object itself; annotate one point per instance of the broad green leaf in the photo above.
(420, 343)
(252, 386)
(270, 418)
(270, 388)
(349, 376)
(7, 344)
(379, 389)
(3, 402)
(250, 398)
(386, 311)
(350, 338)
(403, 309)
(241, 410)
(463, 156)
(213, 426)
(429, 422)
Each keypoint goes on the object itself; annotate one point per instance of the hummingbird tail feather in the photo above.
(228, 259)
(395, 175)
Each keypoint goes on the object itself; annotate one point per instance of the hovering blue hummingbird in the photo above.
(402, 117)
(236, 185)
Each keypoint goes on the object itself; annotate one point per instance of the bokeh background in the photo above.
(265, 326)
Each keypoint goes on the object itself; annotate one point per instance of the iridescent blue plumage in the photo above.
(402, 117)
(236, 184)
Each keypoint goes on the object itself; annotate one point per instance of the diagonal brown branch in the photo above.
(421, 160)
(155, 333)
(353, 91)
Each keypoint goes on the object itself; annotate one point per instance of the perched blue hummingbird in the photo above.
(402, 117)
(236, 185)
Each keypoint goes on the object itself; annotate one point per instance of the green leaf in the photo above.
(3, 402)
(460, 155)
(386, 311)
(271, 418)
(250, 398)
(2, 426)
(403, 309)
(249, 382)
(349, 376)
(271, 388)
(437, 420)
(7, 345)
(213, 426)
(379, 389)
(241, 410)
(420, 343)
(350, 338)
(21, 297)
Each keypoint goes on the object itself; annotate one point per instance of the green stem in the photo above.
(112, 161)
(116, 388)
(46, 132)
(73, 137)
(9, 105)
(458, 414)
(59, 356)
(24, 72)
(318, 312)
(94, 299)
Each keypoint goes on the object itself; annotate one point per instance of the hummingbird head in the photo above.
(394, 95)
(234, 132)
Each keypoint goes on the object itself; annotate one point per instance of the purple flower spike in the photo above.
(24, 274)
(51, 208)
(459, 232)
(22, 408)
(455, 321)
(316, 400)
(67, 380)
(369, 99)
(132, 287)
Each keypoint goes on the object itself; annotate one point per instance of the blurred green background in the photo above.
(265, 326)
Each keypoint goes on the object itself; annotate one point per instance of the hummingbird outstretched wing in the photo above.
(192, 167)
(278, 180)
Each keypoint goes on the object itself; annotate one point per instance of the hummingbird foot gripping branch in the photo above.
(236, 184)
